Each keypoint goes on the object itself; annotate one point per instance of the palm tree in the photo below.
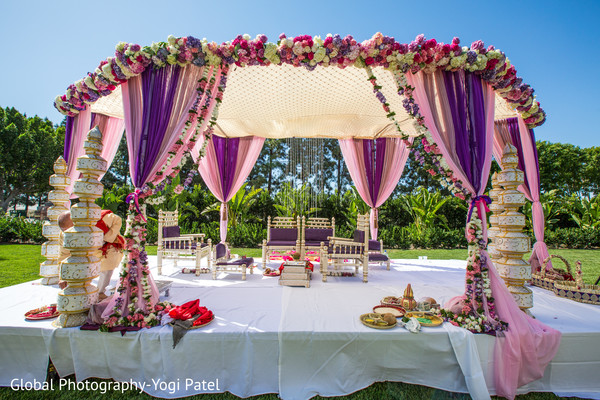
(238, 206)
(423, 207)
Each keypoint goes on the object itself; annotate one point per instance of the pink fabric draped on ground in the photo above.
(445, 100)
(374, 176)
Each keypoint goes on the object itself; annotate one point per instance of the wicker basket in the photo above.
(578, 291)
(547, 280)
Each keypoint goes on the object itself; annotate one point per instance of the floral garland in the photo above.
(309, 52)
(478, 313)
(432, 159)
(136, 264)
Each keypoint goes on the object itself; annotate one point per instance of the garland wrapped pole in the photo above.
(60, 203)
(84, 238)
(512, 243)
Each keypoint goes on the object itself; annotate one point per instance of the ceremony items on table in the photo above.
(283, 234)
(545, 278)
(83, 239)
(45, 312)
(425, 318)
(385, 309)
(222, 263)
(378, 321)
(189, 316)
(295, 273)
(574, 289)
(174, 245)
(408, 301)
(60, 204)
(353, 252)
(511, 242)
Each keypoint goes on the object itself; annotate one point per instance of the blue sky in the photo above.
(553, 44)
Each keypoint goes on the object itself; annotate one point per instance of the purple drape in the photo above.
(158, 87)
(225, 167)
(375, 167)
(458, 109)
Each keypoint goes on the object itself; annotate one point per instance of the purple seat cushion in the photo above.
(170, 231)
(281, 243)
(374, 245)
(202, 245)
(317, 243)
(220, 250)
(317, 235)
(248, 261)
(359, 236)
(377, 257)
(284, 234)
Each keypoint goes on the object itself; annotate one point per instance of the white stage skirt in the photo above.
(295, 341)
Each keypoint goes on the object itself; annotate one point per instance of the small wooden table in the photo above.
(295, 273)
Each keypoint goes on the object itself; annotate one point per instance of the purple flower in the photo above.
(420, 39)
(282, 36)
(471, 56)
(263, 38)
(413, 47)
(135, 48)
(380, 96)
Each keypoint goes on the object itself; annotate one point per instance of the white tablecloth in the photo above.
(298, 342)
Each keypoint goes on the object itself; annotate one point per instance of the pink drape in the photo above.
(185, 95)
(393, 161)
(81, 127)
(112, 129)
(528, 345)
(532, 189)
(248, 150)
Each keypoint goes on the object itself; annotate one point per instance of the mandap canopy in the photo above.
(218, 102)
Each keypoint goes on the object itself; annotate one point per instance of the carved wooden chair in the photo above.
(283, 234)
(176, 246)
(343, 251)
(377, 254)
(316, 233)
(222, 263)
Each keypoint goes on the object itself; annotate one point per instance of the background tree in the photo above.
(28, 149)
(269, 169)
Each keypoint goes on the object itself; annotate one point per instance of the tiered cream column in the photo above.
(84, 239)
(60, 203)
(513, 243)
(496, 208)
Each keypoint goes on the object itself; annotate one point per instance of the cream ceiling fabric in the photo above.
(281, 101)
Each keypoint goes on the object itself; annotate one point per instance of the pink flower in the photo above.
(178, 189)
(466, 309)
(431, 171)
(454, 323)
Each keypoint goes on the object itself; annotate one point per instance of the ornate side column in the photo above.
(84, 239)
(496, 208)
(60, 203)
(513, 243)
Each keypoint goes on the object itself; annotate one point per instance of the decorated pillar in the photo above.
(84, 239)
(60, 203)
(496, 208)
(513, 243)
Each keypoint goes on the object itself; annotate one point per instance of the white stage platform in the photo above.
(298, 342)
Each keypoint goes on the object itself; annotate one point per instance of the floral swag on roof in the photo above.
(309, 52)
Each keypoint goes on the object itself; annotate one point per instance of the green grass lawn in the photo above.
(20, 263)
